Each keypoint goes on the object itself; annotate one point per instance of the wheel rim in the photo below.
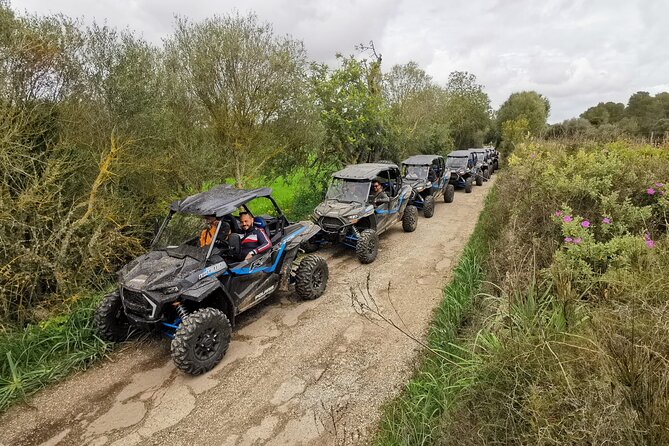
(207, 344)
(317, 279)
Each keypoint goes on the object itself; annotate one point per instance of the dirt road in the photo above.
(296, 372)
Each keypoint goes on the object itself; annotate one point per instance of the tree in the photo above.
(247, 80)
(352, 111)
(527, 104)
(416, 103)
(467, 109)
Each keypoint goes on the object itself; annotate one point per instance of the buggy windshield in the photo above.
(456, 162)
(415, 172)
(348, 191)
(181, 237)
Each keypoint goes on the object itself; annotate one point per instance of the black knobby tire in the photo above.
(367, 247)
(111, 322)
(479, 180)
(410, 219)
(201, 341)
(449, 193)
(468, 185)
(428, 206)
(311, 277)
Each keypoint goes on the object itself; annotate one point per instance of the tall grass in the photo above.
(414, 416)
(46, 352)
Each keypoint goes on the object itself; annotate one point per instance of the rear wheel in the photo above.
(111, 322)
(468, 185)
(201, 341)
(410, 219)
(367, 247)
(311, 277)
(449, 193)
(428, 206)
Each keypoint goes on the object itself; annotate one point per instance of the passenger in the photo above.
(207, 234)
(379, 196)
(254, 240)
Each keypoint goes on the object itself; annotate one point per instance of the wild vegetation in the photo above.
(565, 341)
(100, 130)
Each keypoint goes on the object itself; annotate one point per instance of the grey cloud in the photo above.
(575, 52)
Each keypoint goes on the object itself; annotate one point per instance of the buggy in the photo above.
(464, 169)
(484, 162)
(193, 293)
(429, 177)
(494, 156)
(347, 215)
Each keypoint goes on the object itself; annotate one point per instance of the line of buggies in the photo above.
(193, 292)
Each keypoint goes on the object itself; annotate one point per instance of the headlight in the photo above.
(419, 189)
(317, 214)
(170, 290)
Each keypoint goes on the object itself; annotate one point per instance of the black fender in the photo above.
(208, 287)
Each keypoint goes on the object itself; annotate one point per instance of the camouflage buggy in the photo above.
(429, 178)
(194, 293)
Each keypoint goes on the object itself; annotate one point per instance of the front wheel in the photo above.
(428, 206)
(479, 180)
(367, 247)
(111, 322)
(410, 219)
(468, 185)
(201, 341)
(449, 193)
(311, 277)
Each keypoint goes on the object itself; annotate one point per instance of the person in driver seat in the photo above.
(253, 240)
(379, 196)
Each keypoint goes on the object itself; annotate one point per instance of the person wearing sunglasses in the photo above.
(379, 197)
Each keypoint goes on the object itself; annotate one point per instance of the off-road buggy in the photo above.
(429, 177)
(348, 216)
(464, 169)
(494, 155)
(484, 162)
(193, 293)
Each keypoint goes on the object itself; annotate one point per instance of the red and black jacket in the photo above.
(254, 241)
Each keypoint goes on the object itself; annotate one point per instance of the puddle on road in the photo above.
(121, 415)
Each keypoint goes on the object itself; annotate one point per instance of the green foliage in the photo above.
(467, 110)
(529, 105)
(48, 351)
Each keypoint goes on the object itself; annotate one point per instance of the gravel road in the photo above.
(314, 373)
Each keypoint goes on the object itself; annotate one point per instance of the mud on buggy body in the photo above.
(193, 294)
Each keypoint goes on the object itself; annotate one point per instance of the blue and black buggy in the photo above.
(429, 177)
(348, 215)
(464, 169)
(193, 291)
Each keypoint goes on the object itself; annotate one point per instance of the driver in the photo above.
(254, 240)
(379, 196)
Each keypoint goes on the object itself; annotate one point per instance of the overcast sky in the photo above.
(577, 53)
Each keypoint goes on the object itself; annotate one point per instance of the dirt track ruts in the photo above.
(296, 372)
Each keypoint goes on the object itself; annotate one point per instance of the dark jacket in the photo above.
(380, 198)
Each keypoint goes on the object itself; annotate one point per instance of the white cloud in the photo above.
(575, 52)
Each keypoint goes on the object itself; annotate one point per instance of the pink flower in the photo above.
(558, 213)
(646, 236)
(568, 239)
(577, 240)
(650, 244)
(659, 184)
(650, 191)
(567, 218)
(606, 220)
(585, 224)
